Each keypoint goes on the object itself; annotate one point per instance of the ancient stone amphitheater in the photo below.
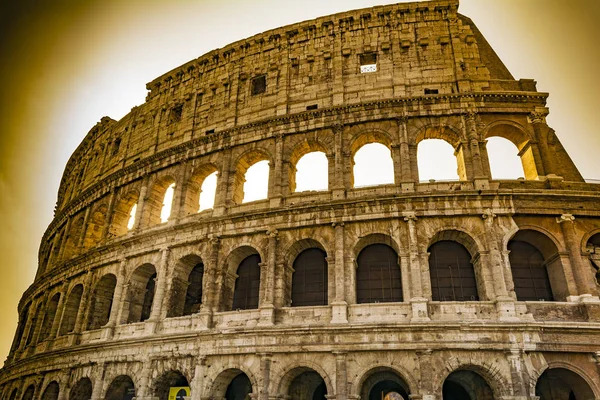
(477, 288)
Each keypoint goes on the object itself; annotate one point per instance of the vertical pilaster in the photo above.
(141, 205)
(86, 219)
(339, 307)
(407, 179)
(159, 296)
(542, 158)
(275, 189)
(223, 183)
(196, 383)
(415, 279)
(425, 366)
(338, 185)
(143, 390)
(341, 376)
(63, 240)
(517, 367)
(109, 213)
(116, 309)
(60, 309)
(265, 371)
(267, 314)
(83, 304)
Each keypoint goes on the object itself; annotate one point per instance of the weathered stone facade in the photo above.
(80, 335)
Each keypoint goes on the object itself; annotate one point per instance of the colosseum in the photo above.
(476, 288)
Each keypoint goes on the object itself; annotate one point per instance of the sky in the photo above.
(65, 64)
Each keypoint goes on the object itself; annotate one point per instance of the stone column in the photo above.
(196, 383)
(38, 324)
(223, 189)
(265, 371)
(338, 184)
(83, 304)
(517, 368)
(267, 309)
(209, 283)
(59, 311)
(339, 307)
(28, 324)
(275, 175)
(63, 241)
(141, 204)
(470, 124)
(407, 179)
(417, 299)
(159, 295)
(538, 123)
(177, 206)
(143, 389)
(98, 381)
(81, 239)
(116, 309)
(109, 213)
(425, 366)
(341, 375)
(582, 272)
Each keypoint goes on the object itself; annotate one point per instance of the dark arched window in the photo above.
(309, 281)
(378, 275)
(529, 272)
(452, 274)
(193, 296)
(148, 298)
(247, 284)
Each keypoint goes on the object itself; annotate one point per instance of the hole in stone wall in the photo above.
(368, 63)
(175, 114)
(505, 162)
(436, 160)
(259, 85)
(312, 107)
(256, 186)
(431, 91)
(208, 191)
(373, 165)
(312, 172)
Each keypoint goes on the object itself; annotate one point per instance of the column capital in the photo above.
(409, 216)
(565, 218)
(488, 214)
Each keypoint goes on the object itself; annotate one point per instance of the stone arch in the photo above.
(591, 247)
(230, 275)
(29, 392)
(369, 137)
(537, 246)
(301, 149)
(185, 293)
(193, 190)
(95, 226)
(217, 387)
(81, 390)
(369, 377)
(49, 316)
(455, 234)
(375, 238)
(140, 294)
(298, 246)
(448, 134)
(101, 301)
(290, 372)
(24, 316)
(37, 317)
(122, 211)
(13, 394)
(71, 309)
(51, 391)
(162, 384)
(576, 372)
(154, 202)
(515, 134)
(121, 387)
(243, 162)
(492, 375)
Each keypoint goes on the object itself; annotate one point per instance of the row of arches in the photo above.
(312, 166)
(305, 383)
(454, 267)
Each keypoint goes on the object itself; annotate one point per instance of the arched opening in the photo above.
(121, 388)
(503, 155)
(247, 284)
(373, 165)
(562, 384)
(384, 384)
(311, 172)
(101, 302)
(49, 317)
(70, 311)
(502, 138)
(593, 248)
(37, 318)
(378, 278)
(141, 293)
(452, 273)
(29, 392)
(171, 385)
(306, 384)
(51, 391)
(239, 388)
(24, 316)
(532, 255)
(256, 185)
(186, 287)
(309, 280)
(82, 390)
(123, 218)
(208, 191)
(466, 385)
(165, 211)
(93, 233)
(436, 159)
(13, 394)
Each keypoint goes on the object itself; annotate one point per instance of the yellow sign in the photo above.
(178, 393)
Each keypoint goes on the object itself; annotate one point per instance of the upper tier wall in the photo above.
(419, 48)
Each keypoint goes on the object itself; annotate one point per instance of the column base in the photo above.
(339, 312)
(420, 313)
(338, 194)
(150, 327)
(107, 332)
(267, 315)
(407, 187)
(505, 309)
(481, 183)
(206, 320)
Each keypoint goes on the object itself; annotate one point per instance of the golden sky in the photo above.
(65, 64)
